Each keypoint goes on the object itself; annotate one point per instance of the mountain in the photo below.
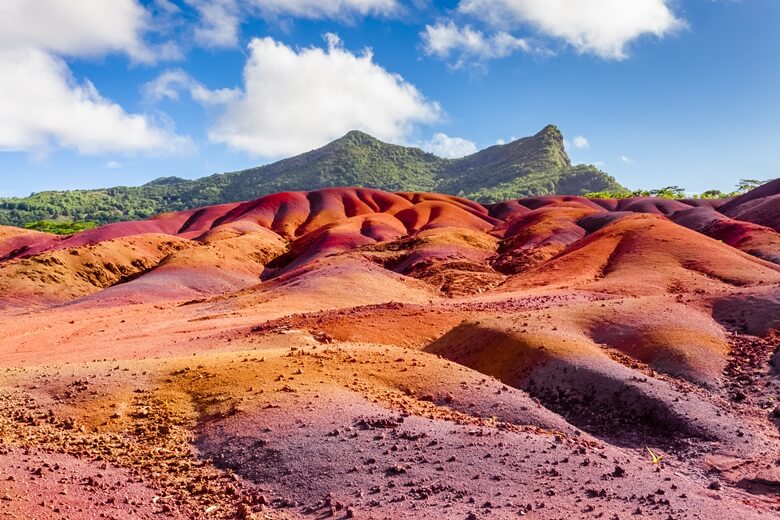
(536, 165)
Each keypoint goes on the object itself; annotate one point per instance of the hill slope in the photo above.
(536, 165)
(356, 353)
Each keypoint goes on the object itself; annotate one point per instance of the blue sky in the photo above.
(655, 92)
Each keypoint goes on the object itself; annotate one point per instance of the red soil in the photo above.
(355, 353)
(760, 206)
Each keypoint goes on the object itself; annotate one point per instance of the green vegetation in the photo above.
(675, 192)
(745, 185)
(60, 228)
(536, 165)
(668, 192)
(713, 194)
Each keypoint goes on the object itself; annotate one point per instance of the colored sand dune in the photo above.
(356, 353)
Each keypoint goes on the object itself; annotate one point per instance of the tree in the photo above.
(745, 185)
(713, 194)
(669, 192)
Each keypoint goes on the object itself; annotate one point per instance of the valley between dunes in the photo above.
(354, 353)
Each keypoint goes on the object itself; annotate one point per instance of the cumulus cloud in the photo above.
(220, 19)
(601, 27)
(44, 107)
(449, 147)
(170, 83)
(296, 100)
(446, 38)
(79, 28)
(580, 142)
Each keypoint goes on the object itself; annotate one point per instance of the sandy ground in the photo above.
(423, 358)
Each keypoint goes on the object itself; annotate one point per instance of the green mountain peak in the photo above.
(357, 136)
(535, 165)
(550, 130)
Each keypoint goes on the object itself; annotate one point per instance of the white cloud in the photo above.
(167, 6)
(166, 86)
(327, 8)
(601, 27)
(171, 82)
(293, 101)
(220, 19)
(580, 142)
(44, 107)
(446, 38)
(450, 147)
(219, 96)
(79, 28)
(500, 141)
(112, 165)
(626, 160)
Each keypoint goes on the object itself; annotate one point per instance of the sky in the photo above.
(100, 93)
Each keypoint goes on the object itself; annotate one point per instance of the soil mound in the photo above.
(354, 353)
(648, 254)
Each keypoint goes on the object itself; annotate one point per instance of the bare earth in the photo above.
(352, 353)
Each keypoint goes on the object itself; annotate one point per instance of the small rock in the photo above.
(243, 512)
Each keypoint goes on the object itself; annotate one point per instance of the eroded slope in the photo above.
(358, 353)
